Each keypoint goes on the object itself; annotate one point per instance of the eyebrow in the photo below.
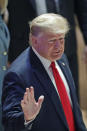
(56, 38)
(53, 38)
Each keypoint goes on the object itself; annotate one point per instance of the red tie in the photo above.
(64, 98)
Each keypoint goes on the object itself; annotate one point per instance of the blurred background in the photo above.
(82, 74)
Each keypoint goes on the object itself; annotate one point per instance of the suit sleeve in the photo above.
(12, 114)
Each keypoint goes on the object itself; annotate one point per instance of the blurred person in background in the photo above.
(18, 26)
(4, 45)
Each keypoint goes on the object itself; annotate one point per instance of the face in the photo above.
(50, 46)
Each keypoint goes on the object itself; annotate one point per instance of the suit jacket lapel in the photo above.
(48, 87)
(70, 82)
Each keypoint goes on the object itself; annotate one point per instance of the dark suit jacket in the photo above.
(27, 70)
(22, 11)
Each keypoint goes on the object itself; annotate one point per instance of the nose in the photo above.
(57, 44)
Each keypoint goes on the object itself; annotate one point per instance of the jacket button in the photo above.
(5, 53)
(3, 68)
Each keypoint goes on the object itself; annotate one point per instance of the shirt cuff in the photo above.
(26, 123)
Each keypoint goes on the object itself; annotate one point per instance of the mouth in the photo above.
(59, 52)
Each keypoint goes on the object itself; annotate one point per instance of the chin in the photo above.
(54, 59)
(57, 57)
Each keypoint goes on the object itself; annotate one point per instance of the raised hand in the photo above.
(29, 105)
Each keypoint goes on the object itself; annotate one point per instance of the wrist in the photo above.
(28, 118)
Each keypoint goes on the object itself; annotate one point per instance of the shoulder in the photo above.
(21, 68)
(22, 64)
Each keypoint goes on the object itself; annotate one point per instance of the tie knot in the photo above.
(52, 65)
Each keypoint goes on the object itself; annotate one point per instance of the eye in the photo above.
(61, 39)
(51, 41)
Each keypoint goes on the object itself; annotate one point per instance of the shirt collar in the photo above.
(46, 63)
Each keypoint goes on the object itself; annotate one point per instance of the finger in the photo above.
(40, 101)
(28, 94)
(22, 103)
(32, 92)
(25, 98)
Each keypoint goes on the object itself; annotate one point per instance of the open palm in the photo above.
(29, 105)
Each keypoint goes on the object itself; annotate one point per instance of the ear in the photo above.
(34, 40)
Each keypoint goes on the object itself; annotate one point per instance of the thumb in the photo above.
(40, 101)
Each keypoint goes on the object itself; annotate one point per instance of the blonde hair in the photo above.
(3, 5)
(50, 22)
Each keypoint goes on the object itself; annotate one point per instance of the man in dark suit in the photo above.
(18, 26)
(39, 91)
